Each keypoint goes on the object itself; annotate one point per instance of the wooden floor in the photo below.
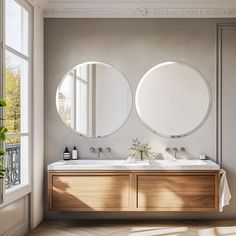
(136, 228)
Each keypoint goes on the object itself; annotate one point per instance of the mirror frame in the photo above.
(114, 130)
(208, 109)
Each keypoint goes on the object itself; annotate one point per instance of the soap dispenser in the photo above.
(66, 154)
(74, 153)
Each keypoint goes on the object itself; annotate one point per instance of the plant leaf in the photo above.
(2, 136)
(3, 131)
(2, 102)
(2, 170)
(2, 152)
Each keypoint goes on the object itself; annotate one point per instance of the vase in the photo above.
(141, 155)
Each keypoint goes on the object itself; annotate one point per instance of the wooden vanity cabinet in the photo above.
(76, 191)
(177, 192)
(133, 191)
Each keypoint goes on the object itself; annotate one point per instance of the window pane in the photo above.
(17, 27)
(82, 71)
(81, 107)
(65, 100)
(16, 161)
(16, 93)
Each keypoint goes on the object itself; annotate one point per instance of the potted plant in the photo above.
(141, 149)
(3, 131)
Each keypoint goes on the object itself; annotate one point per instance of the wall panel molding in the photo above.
(219, 30)
(16, 224)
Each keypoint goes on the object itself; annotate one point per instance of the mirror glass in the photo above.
(94, 99)
(173, 99)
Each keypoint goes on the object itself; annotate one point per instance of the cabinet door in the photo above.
(89, 192)
(177, 192)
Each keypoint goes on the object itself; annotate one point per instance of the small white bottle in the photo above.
(74, 153)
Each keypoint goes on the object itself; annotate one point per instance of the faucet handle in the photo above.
(167, 149)
(92, 149)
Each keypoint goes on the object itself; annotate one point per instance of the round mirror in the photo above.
(173, 99)
(94, 99)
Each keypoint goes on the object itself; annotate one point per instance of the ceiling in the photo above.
(137, 8)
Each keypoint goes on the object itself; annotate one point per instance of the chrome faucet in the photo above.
(172, 150)
(99, 152)
(175, 151)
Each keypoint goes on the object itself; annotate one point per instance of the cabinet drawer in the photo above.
(90, 192)
(177, 192)
(133, 191)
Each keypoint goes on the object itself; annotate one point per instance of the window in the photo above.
(17, 67)
(73, 98)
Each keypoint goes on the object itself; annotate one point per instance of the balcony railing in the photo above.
(13, 165)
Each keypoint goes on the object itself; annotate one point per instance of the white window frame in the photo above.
(20, 190)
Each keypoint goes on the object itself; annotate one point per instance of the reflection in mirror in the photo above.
(173, 99)
(94, 99)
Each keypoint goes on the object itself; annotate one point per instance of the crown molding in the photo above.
(136, 8)
(140, 12)
(39, 5)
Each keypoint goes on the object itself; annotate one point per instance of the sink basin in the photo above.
(140, 165)
(103, 162)
(178, 162)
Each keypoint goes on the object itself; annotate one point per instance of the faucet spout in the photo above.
(99, 152)
(175, 151)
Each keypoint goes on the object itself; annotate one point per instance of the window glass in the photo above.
(82, 106)
(64, 99)
(17, 70)
(16, 94)
(17, 27)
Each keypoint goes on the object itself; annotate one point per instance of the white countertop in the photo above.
(141, 165)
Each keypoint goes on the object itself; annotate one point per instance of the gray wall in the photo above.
(228, 68)
(133, 46)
